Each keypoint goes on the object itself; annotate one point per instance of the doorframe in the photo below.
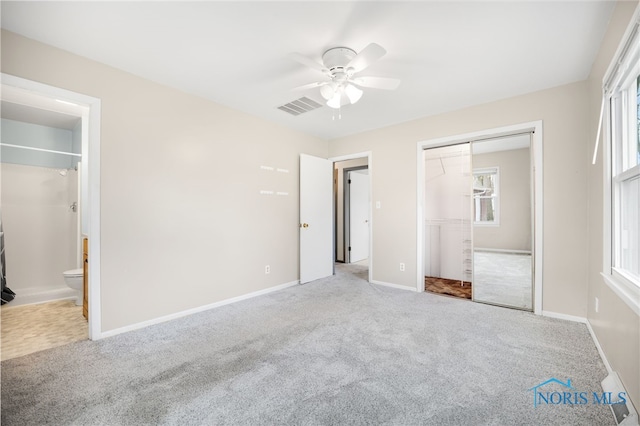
(90, 168)
(346, 211)
(535, 127)
(369, 156)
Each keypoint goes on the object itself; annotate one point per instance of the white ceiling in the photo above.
(449, 55)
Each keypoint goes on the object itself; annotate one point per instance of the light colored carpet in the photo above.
(334, 351)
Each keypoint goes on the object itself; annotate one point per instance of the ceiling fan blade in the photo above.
(366, 57)
(300, 58)
(311, 85)
(384, 83)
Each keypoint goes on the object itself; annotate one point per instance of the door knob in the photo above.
(304, 225)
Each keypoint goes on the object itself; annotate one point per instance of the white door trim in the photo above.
(91, 168)
(536, 152)
(369, 156)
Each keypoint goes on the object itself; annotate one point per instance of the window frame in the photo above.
(496, 196)
(622, 72)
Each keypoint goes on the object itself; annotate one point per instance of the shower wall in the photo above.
(41, 230)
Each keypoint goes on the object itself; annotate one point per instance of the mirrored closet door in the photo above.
(448, 253)
(502, 221)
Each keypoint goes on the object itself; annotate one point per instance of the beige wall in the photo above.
(183, 223)
(562, 110)
(514, 231)
(616, 326)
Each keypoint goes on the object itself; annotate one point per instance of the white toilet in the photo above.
(73, 278)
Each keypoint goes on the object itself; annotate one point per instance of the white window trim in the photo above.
(622, 286)
(496, 219)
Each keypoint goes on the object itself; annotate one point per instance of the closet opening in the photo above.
(480, 217)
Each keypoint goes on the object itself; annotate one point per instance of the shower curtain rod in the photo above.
(41, 149)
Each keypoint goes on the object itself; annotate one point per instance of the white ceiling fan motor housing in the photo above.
(337, 59)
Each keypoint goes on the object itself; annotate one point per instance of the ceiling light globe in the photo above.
(353, 93)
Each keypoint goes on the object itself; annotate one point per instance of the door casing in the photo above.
(90, 168)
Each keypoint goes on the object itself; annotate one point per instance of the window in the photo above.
(622, 100)
(485, 196)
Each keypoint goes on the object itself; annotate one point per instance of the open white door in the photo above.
(316, 213)
(358, 215)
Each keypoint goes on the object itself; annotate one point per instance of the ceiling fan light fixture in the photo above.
(334, 102)
(328, 91)
(353, 93)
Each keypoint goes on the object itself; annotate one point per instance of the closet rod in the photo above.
(507, 135)
(40, 149)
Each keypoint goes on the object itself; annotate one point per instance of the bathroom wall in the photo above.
(40, 231)
(40, 228)
(514, 230)
(34, 135)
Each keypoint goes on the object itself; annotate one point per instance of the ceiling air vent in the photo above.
(300, 106)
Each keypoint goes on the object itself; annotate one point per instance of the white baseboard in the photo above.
(585, 321)
(600, 351)
(35, 295)
(192, 311)
(398, 286)
(564, 316)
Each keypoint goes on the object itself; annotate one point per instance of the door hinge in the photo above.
(349, 248)
(349, 182)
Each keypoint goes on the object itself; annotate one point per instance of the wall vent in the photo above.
(300, 106)
(624, 413)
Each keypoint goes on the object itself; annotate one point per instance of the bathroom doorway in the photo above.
(50, 152)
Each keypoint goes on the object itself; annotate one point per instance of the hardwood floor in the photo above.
(448, 287)
(32, 328)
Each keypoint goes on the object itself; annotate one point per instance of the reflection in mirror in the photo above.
(502, 225)
(447, 208)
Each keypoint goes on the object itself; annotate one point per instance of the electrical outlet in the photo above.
(597, 305)
(402, 267)
(267, 269)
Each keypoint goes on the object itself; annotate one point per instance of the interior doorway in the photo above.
(36, 101)
(352, 212)
(322, 215)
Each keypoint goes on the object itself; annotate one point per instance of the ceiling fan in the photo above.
(340, 65)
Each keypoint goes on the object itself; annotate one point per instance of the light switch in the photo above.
(377, 204)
